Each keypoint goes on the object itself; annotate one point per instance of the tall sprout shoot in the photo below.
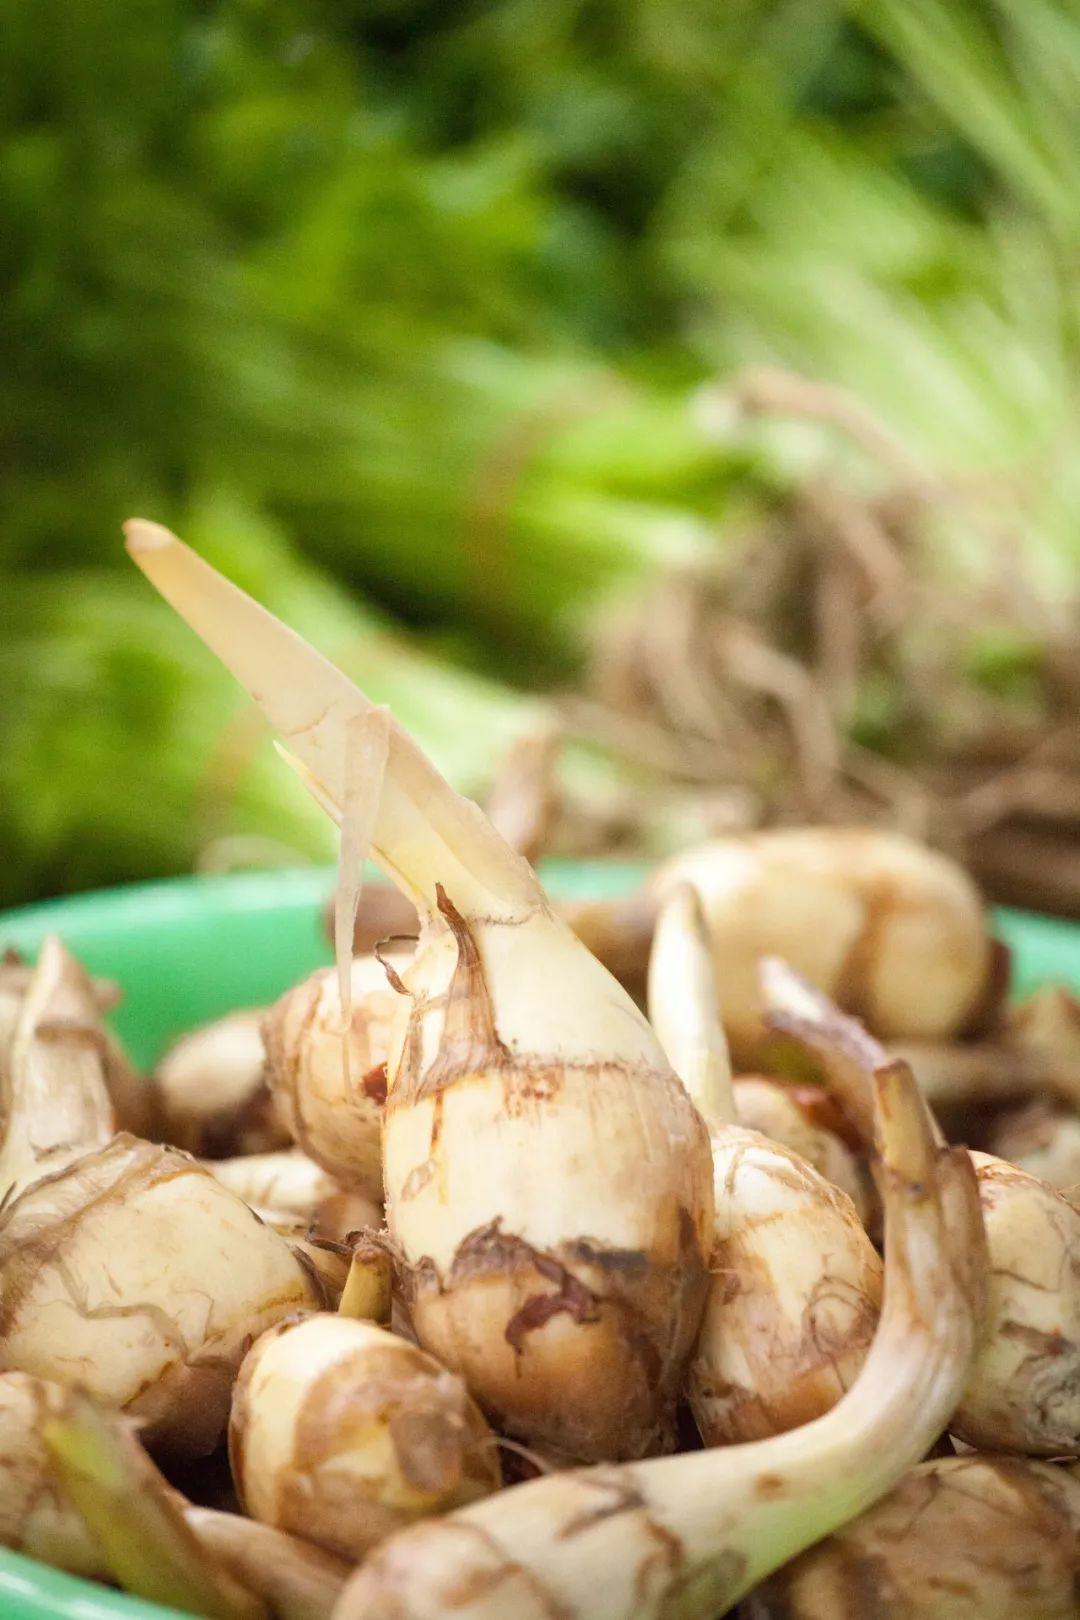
(548, 1182)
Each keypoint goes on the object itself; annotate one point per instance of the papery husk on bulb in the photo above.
(959, 1538)
(1044, 1140)
(549, 1186)
(803, 1118)
(287, 1184)
(332, 1100)
(511, 1140)
(893, 931)
(156, 1544)
(210, 1093)
(1024, 1390)
(124, 1266)
(794, 1300)
(795, 1283)
(128, 1092)
(56, 1104)
(137, 1275)
(344, 1433)
(688, 1536)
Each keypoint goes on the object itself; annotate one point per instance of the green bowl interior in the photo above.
(189, 949)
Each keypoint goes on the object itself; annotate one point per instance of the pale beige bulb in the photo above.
(331, 1083)
(802, 1118)
(140, 1277)
(210, 1094)
(959, 1538)
(344, 1433)
(1024, 1390)
(287, 1185)
(795, 1295)
(891, 930)
(1042, 1139)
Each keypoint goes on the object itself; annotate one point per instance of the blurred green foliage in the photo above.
(407, 300)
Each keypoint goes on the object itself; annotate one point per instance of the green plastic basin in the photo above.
(190, 948)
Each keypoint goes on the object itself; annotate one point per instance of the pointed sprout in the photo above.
(367, 745)
(684, 1008)
(691, 1534)
(367, 1292)
(849, 1054)
(57, 1105)
(424, 832)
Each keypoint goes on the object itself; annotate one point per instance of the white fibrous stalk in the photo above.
(289, 1186)
(1024, 1391)
(960, 1538)
(153, 1542)
(1042, 1139)
(688, 1536)
(210, 1094)
(344, 1433)
(795, 1283)
(803, 1117)
(892, 931)
(333, 1099)
(548, 1182)
(124, 1266)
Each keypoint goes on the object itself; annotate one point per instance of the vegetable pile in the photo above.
(439, 319)
(506, 1298)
